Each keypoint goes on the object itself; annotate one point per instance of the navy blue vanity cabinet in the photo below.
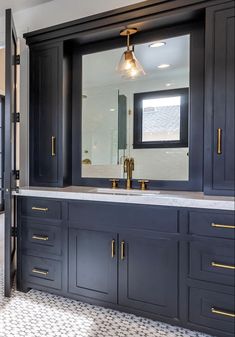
(93, 264)
(148, 272)
(50, 115)
(211, 261)
(42, 245)
(219, 107)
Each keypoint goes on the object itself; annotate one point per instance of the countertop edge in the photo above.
(159, 200)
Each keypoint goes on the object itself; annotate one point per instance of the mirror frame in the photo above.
(196, 103)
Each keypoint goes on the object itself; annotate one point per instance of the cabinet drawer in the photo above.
(213, 261)
(41, 238)
(212, 309)
(93, 214)
(41, 207)
(44, 272)
(212, 224)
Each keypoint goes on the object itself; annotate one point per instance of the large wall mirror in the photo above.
(147, 117)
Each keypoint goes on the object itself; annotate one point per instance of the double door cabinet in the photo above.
(170, 264)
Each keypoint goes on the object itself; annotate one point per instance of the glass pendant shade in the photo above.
(129, 67)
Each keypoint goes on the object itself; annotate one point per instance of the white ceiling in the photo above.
(99, 69)
(17, 5)
(31, 15)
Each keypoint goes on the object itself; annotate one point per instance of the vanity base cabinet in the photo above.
(93, 264)
(148, 273)
(100, 253)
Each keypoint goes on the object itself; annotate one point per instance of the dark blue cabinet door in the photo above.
(220, 130)
(93, 264)
(45, 114)
(148, 273)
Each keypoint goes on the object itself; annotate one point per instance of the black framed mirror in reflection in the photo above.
(146, 117)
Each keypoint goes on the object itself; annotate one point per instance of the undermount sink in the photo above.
(124, 192)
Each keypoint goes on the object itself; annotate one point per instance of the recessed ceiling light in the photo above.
(168, 84)
(157, 44)
(112, 109)
(163, 66)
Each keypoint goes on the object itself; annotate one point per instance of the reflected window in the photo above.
(161, 119)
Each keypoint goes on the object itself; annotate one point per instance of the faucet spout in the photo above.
(128, 169)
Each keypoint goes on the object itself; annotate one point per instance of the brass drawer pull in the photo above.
(219, 265)
(219, 141)
(216, 225)
(113, 249)
(222, 313)
(40, 237)
(40, 272)
(39, 209)
(53, 152)
(122, 250)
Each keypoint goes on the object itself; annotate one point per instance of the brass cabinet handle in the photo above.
(219, 265)
(40, 237)
(40, 272)
(219, 141)
(53, 152)
(222, 226)
(223, 313)
(39, 209)
(113, 249)
(122, 250)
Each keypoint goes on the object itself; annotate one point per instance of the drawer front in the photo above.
(44, 272)
(41, 208)
(41, 238)
(212, 309)
(212, 224)
(213, 261)
(123, 215)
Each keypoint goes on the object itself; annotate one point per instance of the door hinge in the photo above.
(14, 232)
(17, 59)
(16, 174)
(16, 117)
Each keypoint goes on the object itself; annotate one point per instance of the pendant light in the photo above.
(129, 67)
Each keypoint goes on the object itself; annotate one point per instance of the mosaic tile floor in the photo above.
(37, 314)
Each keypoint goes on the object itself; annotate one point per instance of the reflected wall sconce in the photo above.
(129, 67)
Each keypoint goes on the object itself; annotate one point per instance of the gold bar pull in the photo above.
(113, 249)
(223, 313)
(53, 153)
(39, 209)
(40, 272)
(40, 238)
(219, 265)
(122, 250)
(219, 141)
(216, 225)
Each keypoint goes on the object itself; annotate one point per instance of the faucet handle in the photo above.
(114, 182)
(143, 184)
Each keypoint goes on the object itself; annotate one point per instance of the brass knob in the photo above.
(114, 183)
(143, 184)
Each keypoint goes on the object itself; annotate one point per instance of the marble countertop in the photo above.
(149, 197)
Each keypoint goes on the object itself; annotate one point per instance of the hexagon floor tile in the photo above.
(38, 314)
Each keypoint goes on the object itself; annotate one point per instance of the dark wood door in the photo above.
(93, 264)
(148, 273)
(45, 108)
(10, 151)
(220, 148)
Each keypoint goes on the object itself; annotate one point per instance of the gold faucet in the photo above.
(129, 167)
